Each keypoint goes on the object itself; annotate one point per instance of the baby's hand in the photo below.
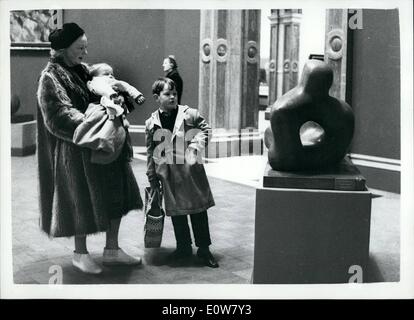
(140, 99)
(120, 85)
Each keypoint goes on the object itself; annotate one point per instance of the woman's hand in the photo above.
(112, 109)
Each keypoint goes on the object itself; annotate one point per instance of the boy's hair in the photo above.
(96, 68)
(159, 84)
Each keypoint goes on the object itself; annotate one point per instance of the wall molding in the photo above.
(376, 162)
(136, 128)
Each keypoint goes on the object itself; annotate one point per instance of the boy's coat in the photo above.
(186, 188)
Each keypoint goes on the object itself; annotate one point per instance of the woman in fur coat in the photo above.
(77, 197)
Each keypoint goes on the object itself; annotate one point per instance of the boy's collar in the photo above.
(163, 111)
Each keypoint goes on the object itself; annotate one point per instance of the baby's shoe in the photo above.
(84, 263)
(113, 257)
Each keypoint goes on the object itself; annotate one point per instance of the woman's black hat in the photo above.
(63, 38)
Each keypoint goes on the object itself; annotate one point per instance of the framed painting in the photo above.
(30, 29)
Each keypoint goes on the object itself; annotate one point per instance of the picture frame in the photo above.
(30, 29)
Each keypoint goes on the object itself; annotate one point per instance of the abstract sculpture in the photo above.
(309, 129)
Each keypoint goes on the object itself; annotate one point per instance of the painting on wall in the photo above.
(30, 29)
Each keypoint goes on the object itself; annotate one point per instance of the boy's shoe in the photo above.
(205, 255)
(113, 257)
(84, 263)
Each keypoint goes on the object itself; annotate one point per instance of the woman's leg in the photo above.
(112, 234)
(113, 254)
(81, 259)
(80, 244)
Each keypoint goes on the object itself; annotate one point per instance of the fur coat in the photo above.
(77, 197)
(186, 187)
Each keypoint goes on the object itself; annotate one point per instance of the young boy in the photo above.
(174, 136)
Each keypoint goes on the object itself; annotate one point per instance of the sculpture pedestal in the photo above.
(344, 176)
(310, 236)
(23, 138)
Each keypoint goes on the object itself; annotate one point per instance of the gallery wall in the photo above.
(376, 84)
(25, 68)
(376, 98)
(134, 42)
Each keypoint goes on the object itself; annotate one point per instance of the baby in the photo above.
(113, 92)
(105, 128)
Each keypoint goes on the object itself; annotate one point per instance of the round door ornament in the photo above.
(335, 42)
(222, 50)
(252, 52)
(272, 65)
(295, 67)
(286, 65)
(206, 47)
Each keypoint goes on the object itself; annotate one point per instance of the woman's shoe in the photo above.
(84, 263)
(113, 257)
(205, 255)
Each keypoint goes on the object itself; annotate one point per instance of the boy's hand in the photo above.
(140, 99)
(191, 156)
(155, 184)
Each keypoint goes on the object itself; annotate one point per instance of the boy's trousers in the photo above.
(201, 231)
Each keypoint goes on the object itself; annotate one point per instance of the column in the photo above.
(229, 68)
(337, 47)
(284, 51)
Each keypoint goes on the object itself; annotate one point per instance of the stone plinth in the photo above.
(344, 176)
(309, 235)
(23, 138)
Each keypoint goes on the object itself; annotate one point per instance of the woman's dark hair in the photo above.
(173, 61)
(159, 84)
